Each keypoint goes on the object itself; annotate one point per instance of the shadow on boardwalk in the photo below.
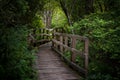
(51, 67)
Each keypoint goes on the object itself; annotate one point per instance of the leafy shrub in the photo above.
(37, 22)
(100, 76)
(104, 34)
(15, 59)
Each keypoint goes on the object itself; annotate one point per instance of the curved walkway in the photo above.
(51, 67)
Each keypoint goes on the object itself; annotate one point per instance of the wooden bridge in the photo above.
(58, 55)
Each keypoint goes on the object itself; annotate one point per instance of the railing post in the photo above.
(43, 33)
(66, 41)
(53, 36)
(73, 45)
(61, 40)
(47, 31)
(86, 56)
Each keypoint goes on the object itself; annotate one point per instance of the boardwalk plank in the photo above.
(51, 67)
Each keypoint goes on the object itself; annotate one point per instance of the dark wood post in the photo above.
(66, 41)
(73, 45)
(61, 40)
(53, 37)
(47, 31)
(86, 55)
(43, 33)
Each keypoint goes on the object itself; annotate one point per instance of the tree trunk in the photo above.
(47, 18)
(65, 10)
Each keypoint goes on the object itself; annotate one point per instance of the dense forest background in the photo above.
(99, 20)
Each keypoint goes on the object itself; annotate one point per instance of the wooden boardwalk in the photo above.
(51, 67)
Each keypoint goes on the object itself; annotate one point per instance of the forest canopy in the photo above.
(99, 20)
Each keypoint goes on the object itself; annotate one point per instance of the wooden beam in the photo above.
(61, 41)
(69, 48)
(73, 45)
(71, 35)
(80, 70)
(86, 55)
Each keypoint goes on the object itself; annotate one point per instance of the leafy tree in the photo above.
(47, 14)
(59, 19)
(15, 57)
(104, 38)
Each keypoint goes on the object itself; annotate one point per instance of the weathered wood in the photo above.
(72, 48)
(69, 48)
(32, 37)
(41, 30)
(47, 31)
(61, 40)
(86, 55)
(53, 37)
(66, 42)
(81, 71)
(43, 40)
(71, 35)
(73, 55)
(45, 34)
(51, 67)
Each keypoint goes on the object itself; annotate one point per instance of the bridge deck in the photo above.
(51, 67)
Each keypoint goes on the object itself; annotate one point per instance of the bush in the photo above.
(104, 35)
(15, 58)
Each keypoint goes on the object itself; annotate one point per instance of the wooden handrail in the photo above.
(61, 40)
(69, 48)
(71, 35)
(44, 35)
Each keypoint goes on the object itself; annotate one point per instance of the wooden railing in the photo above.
(45, 35)
(62, 42)
(40, 36)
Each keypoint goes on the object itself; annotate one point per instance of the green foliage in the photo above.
(59, 18)
(19, 11)
(15, 59)
(15, 9)
(102, 29)
(80, 61)
(67, 54)
(99, 31)
(104, 35)
(100, 77)
(37, 22)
